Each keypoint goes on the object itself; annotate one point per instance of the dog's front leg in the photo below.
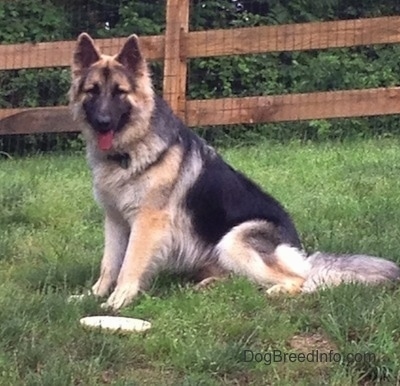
(148, 233)
(116, 232)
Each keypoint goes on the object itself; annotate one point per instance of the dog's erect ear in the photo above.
(85, 53)
(130, 55)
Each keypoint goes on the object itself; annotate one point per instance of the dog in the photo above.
(172, 203)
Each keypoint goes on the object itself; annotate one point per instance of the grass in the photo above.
(343, 198)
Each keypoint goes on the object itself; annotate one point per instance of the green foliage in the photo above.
(250, 75)
(33, 88)
(142, 18)
(31, 21)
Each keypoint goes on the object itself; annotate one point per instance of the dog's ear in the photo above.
(130, 55)
(85, 53)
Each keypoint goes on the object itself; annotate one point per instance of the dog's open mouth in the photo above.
(104, 140)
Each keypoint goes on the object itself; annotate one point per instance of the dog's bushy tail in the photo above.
(328, 270)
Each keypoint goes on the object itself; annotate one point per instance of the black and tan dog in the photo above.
(172, 203)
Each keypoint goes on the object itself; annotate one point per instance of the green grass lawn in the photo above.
(343, 198)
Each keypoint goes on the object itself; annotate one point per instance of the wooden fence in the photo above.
(178, 45)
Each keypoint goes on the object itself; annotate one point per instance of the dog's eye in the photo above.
(118, 91)
(94, 89)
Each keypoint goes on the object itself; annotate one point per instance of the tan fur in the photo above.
(162, 177)
(142, 98)
(147, 235)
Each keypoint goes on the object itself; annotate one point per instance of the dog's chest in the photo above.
(117, 188)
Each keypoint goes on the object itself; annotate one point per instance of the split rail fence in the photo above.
(178, 45)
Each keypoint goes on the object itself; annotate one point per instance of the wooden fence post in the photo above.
(175, 65)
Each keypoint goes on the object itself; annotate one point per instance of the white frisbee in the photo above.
(115, 323)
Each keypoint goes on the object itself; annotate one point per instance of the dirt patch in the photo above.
(319, 352)
(308, 342)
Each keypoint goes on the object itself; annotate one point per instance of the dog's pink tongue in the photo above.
(104, 140)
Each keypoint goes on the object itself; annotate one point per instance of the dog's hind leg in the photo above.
(254, 249)
(208, 275)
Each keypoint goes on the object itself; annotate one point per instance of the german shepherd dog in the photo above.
(171, 202)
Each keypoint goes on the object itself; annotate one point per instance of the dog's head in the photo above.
(112, 95)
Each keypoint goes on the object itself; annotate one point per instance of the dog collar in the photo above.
(122, 159)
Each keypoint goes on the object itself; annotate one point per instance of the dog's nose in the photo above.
(103, 122)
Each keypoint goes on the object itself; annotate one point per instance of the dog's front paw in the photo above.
(122, 296)
(102, 287)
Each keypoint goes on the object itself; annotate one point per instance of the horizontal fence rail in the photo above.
(225, 111)
(178, 45)
(293, 37)
(235, 41)
(59, 54)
